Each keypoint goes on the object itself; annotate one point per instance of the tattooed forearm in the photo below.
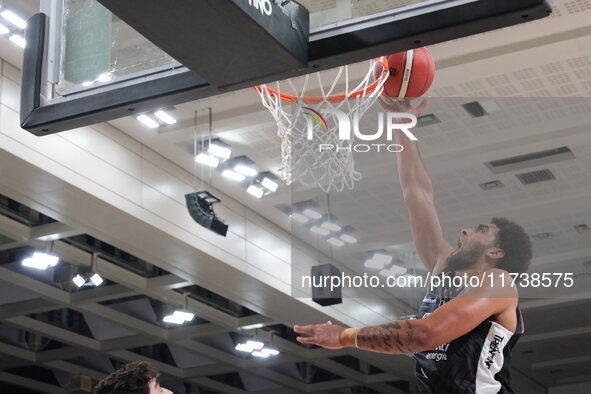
(395, 337)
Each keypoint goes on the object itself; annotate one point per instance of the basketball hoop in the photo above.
(301, 158)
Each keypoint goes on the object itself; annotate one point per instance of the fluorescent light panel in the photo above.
(172, 319)
(319, 230)
(257, 349)
(4, 30)
(165, 117)
(147, 121)
(256, 345)
(255, 191)
(348, 238)
(335, 242)
(298, 217)
(386, 259)
(78, 281)
(243, 347)
(205, 159)
(375, 264)
(179, 317)
(40, 261)
(312, 214)
(398, 270)
(233, 175)
(245, 170)
(394, 270)
(378, 261)
(96, 279)
(252, 326)
(331, 226)
(188, 316)
(260, 354)
(14, 19)
(270, 184)
(18, 40)
(220, 151)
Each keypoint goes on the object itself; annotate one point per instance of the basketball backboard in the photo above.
(90, 61)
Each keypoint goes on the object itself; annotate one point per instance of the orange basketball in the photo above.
(411, 74)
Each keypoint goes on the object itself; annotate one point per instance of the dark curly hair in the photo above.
(133, 378)
(516, 244)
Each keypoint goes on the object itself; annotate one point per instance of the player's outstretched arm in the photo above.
(450, 321)
(418, 193)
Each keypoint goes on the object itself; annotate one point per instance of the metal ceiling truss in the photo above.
(161, 288)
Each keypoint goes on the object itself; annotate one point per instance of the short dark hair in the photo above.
(516, 244)
(133, 378)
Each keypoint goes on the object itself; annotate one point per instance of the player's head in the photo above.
(501, 243)
(133, 378)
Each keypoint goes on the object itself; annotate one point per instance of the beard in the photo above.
(466, 258)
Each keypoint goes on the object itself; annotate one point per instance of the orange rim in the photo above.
(292, 98)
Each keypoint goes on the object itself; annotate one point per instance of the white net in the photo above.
(312, 151)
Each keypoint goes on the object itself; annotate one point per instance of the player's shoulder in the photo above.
(502, 284)
(494, 283)
(498, 272)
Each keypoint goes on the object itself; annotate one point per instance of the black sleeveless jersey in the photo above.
(476, 363)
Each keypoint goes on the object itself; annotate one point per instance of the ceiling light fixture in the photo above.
(348, 238)
(18, 40)
(262, 185)
(205, 159)
(148, 121)
(96, 279)
(79, 280)
(41, 260)
(255, 191)
(252, 326)
(180, 316)
(242, 165)
(245, 170)
(312, 214)
(298, 217)
(319, 230)
(331, 226)
(89, 278)
(165, 117)
(233, 175)
(4, 30)
(394, 270)
(329, 222)
(217, 148)
(335, 242)
(269, 184)
(243, 347)
(378, 261)
(256, 349)
(14, 19)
